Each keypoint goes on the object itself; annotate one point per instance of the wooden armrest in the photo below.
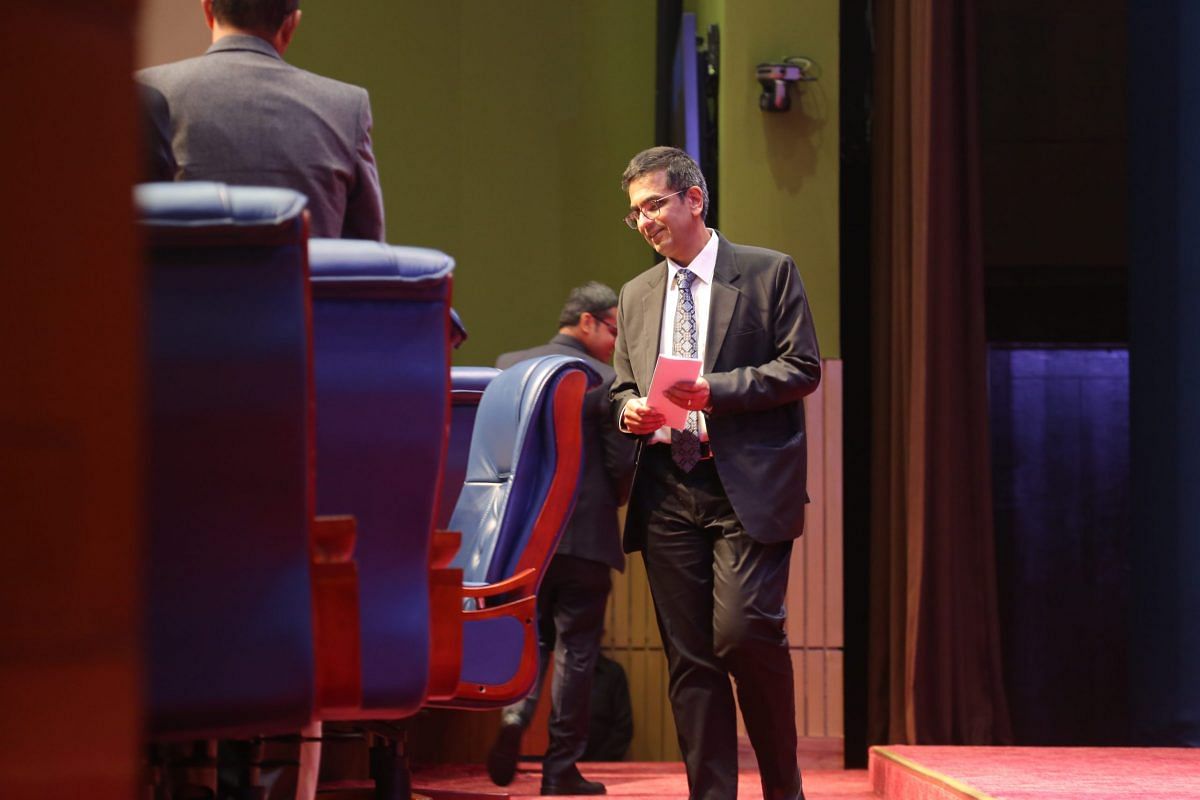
(468, 695)
(333, 539)
(445, 609)
(443, 548)
(519, 608)
(336, 613)
(445, 612)
(525, 577)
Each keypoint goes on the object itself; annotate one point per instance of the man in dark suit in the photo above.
(715, 506)
(241, 115)
(575, 589)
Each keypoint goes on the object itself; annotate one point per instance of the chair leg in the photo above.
(310, 761)
(182, 771)
(243, 759)
(389, 769)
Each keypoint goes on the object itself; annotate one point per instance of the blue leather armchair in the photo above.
(521, 482)
(382, 334)
(229, 634)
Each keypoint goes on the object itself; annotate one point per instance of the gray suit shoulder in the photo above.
(322, 90)
(354, 97)
(164, 75)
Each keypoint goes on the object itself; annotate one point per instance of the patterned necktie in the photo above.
(685, 444)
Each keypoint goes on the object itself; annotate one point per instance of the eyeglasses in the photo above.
(612, 326)
(651, 209)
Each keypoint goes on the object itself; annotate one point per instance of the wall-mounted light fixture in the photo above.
(777, 77)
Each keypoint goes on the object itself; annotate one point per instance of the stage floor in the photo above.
(905, 772)
(656, 780)
(902, 772)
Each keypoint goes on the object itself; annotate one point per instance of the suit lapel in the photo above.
(652, 313)
(722, 301)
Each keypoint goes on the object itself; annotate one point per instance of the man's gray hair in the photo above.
(593, 297)
(682, 172)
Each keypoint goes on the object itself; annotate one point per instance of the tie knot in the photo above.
(683, 278)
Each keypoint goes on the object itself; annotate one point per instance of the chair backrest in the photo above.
(514, 458)
(229, 606)
(381, 328)
(466, 390)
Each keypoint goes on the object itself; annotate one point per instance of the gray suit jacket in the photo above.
(592, 531)
(240, 114)
(760, 360)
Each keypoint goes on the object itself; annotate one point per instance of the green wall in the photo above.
(779, 171)
(501, 130)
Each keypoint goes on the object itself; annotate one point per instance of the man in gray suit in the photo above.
(241, 115)
(715, 506)
(575, 589)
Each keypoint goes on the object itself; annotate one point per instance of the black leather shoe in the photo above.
(572, 785)
(502, 758)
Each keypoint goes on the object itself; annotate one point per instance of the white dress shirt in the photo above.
(703, 266)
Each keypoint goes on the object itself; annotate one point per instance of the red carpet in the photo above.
(660, 781)
(902, 772)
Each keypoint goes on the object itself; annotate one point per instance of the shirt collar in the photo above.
(245, 41)
(566, 340)
(703, 265)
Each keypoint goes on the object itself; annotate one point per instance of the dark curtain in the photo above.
(935, 667)
(1164, 283)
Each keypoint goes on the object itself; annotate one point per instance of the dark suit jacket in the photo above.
(592, 531)
(158, 162)
(760, 360)
(242, 115)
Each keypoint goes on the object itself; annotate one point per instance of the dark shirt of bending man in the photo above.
(574, 591)
(715, 508)
(242, 115)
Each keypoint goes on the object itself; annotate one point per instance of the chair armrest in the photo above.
(443, 548)
(335, 614)
(524, 578)
(333, 538)
(445, 620)
(469, 694)
(445, 632)
(523, 611)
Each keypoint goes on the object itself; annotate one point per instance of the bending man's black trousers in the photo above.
(570, 606)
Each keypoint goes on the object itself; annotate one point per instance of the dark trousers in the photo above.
(570, 607)
(719, 598)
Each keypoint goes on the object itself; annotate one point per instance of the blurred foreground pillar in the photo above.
(70, 365)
